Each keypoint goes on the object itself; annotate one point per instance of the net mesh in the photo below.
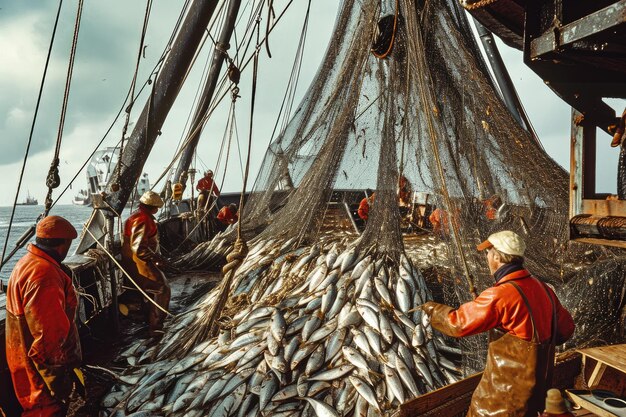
(429, 113)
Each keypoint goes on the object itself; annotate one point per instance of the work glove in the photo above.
(428, 307)
(438, 314)
(58, 380)
(79, 382)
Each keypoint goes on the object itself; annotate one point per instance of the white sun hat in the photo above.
(505, 241)
(150, 198)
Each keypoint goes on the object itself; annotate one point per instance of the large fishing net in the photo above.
(426, 114)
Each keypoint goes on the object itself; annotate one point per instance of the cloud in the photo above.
(105, 61)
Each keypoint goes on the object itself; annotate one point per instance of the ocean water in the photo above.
(25, 217)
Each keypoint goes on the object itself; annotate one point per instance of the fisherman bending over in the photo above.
(141, 257)
(42, 344)
(228, 214)
(525, 320)
(207, 188)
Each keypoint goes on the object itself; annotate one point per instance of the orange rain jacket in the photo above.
(41, 336)
(439, 219)
(208, 184)
(140, 255)
(501, 306)
(226, 216)
(141, 241)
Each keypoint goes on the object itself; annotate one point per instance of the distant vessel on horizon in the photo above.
(29, 201)
(82, 199)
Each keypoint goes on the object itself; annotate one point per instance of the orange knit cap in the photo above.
(56, 227)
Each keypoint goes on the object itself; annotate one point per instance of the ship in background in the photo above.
(99, 171)
(29, 201)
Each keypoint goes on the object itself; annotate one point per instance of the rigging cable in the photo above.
(155, 70)
(224, 92)
(231, 128)
(240, 248)
(53, 181)
(133, 83)
(30, 136)
(289, 97)
(26, 236)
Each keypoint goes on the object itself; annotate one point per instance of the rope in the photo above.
(53, 180)
(240, 249)
(234, 260)
(292, 84)
(126, 273)
(255, 72)
(133, 83)
(32, 129)
(270, 14)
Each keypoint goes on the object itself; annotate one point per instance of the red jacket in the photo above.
(207, 184)
(41, 336)
(364, 206)
(501, 306)
(226, 216)
(439, 219)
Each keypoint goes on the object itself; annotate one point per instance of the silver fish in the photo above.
(321, 409)
(332, 374)
(365, 390)
(394, 383)
(278, 326)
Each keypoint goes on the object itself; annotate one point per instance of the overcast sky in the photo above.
(105, 61)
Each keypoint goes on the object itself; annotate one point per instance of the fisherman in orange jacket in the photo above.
(141, 257)
(529, 320)
(228, 214)
(364, 206)
(439, 220)
(42, 344)
(207, 188)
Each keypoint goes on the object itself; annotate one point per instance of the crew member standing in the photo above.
(228, 214)
(206, 187)
(141, 257)
(529, 320)
(42, 344)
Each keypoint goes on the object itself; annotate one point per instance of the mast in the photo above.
(165, 91)
(149, 123)
(502, 76)
(219, 56)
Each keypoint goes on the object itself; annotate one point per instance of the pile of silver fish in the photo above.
(326, 331)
